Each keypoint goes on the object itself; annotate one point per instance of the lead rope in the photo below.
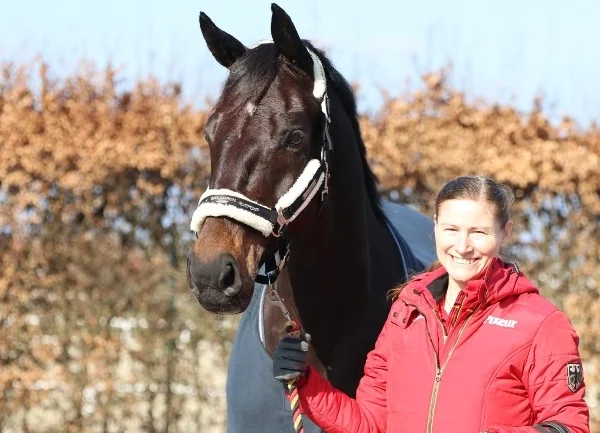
(293, 329)
(292, 396)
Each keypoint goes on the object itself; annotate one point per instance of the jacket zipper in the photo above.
(440, 370)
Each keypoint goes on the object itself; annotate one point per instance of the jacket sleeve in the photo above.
(336, 412)
(554, 378)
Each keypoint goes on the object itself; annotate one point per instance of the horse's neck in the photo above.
(333, 265)
(332, 271)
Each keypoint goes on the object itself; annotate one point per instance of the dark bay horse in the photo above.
(289, 168)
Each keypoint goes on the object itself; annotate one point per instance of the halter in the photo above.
(273, 221)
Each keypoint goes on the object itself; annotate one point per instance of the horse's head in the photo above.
(265, 128)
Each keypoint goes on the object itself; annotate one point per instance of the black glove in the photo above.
(290, 358)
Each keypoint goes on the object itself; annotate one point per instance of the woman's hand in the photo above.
(290, 358)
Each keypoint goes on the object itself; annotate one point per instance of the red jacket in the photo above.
(510, 364)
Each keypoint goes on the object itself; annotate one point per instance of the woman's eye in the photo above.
(295, 138)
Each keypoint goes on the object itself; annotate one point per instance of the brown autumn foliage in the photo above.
(96, 187)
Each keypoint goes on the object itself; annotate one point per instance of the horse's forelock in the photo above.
(251, 76)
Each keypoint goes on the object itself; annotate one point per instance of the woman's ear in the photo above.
(507, 232)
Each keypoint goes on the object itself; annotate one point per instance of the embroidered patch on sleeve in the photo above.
(574, 376)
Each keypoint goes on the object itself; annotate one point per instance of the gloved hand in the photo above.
(290, 358)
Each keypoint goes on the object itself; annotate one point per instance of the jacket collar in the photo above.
(499, 281)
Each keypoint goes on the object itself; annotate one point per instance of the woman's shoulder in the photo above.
(529, 295)
(537, 311)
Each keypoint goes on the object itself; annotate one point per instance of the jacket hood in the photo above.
(501, 280)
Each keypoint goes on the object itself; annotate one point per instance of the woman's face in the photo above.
(468, 237)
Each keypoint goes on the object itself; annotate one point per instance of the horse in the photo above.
(292, 230)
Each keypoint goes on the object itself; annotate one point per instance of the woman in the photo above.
(469, 346)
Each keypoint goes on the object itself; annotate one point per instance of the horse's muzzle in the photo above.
(216, 284)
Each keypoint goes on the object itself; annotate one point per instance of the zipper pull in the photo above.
(438, 375)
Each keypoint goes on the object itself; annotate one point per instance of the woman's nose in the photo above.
(463, 244)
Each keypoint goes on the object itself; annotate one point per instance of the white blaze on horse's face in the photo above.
(250, 108)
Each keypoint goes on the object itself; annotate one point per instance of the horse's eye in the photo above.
(295, 138)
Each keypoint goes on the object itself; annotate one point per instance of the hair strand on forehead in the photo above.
(478, 188)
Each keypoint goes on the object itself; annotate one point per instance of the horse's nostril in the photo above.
(229, 281)
(222, 275)
(228, 276)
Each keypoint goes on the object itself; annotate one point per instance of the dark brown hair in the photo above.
(477, 188)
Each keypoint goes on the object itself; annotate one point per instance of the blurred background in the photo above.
(102, 161)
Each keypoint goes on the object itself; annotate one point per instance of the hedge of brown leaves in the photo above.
(96, 187)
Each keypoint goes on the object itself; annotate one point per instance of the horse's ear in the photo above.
(225, 48)
(286, 39)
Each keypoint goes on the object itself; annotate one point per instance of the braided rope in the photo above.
(292, 396)
(293, 328)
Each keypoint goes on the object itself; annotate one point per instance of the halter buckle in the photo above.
(280, 224)
(272, 276)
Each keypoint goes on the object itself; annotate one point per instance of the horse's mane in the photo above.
(251, 76)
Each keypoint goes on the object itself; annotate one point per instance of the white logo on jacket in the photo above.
(505, 323)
